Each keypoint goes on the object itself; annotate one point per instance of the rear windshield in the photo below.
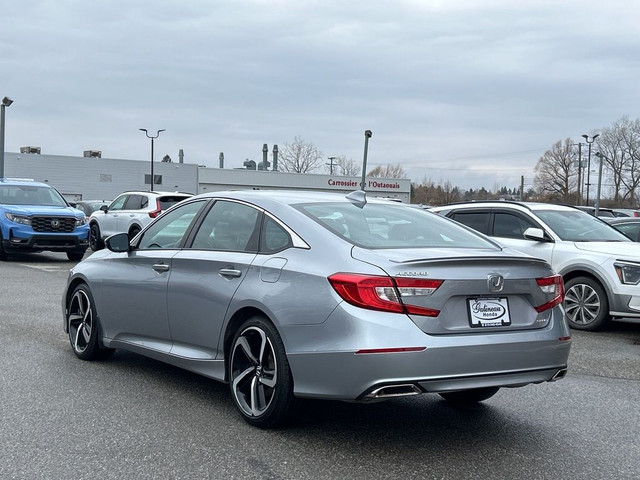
(31, 195)
(392, 226)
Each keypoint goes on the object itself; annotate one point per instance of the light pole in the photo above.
(579, 199)
(6, 101)
(152, 139)
(601, 157)
(586, 137)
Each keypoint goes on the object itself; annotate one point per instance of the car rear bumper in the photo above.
(447, 363)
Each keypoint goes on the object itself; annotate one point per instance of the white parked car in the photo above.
(600, 266)
(129, 213)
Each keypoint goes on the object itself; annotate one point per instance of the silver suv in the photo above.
(600, 266)
(129, 213)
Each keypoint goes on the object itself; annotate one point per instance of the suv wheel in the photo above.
(133, 231)
(586, 304)
(95, 240)
(3, 252)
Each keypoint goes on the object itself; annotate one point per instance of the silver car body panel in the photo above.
(177, 305)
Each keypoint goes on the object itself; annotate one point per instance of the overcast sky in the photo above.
(472, 92)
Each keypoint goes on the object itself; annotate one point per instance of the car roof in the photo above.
(288, 197)
(497, 203)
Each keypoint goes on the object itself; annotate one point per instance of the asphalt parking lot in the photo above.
(132, 417)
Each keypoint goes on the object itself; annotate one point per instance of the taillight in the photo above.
(387, 294)
(553, 285)
(157, 211)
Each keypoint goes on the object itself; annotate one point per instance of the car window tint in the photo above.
(477, 220)
(274, 237)
(134, 202)
(228, 226)
(508, 225)
(169, 230)
(378, 225)
(631, 230)
(144, 202)
(578, 226)
(118, 203)
(169, 201)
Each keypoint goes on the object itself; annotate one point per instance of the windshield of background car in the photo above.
(392, 226)
(578, 226)
(31, 195)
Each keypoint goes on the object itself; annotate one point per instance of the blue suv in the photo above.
(35, 217)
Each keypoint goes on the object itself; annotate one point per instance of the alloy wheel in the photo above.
(80, 321)
(582, 304)
(253, 371)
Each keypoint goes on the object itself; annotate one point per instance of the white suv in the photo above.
(600, 266)
(130, 212)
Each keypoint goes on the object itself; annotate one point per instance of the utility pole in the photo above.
(331, 164)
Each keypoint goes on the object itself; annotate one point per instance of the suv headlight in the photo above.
(18, 218)
(80, 221)
(628, 273)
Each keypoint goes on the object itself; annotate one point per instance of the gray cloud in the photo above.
(467, 91)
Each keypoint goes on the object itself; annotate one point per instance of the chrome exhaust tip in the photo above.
(392, 391)
(560, 374)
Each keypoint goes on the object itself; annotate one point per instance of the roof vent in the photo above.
(92, 154)
(35, 150)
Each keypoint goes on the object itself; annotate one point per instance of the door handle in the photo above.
(229, 272)
(161, 267)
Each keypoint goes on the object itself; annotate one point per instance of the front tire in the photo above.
(259, 374)
(82, 322)
(469, 397)
(586, 304)
(95, 240)
(3, 252)
(76, 256)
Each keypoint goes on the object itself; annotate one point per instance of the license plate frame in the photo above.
(488, 312)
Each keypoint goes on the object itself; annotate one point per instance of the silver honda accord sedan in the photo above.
(288, 295)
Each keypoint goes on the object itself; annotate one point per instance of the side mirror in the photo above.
(104, 208)
(536, 234)
(118, 243)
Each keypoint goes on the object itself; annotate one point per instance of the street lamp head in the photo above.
(6, 101)
(586, 137)
(165, 130)
(596, 136)
(143, 130)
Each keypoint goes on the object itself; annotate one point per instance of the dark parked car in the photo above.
(89, 206)
(287, 295)
(630, 226)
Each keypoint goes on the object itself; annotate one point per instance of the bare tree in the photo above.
(387, 171)
(556, 172)
(299, 157)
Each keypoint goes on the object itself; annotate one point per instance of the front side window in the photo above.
(228, 226)
(170, 229)
(508, 225)
(378, 225)
(118, 203)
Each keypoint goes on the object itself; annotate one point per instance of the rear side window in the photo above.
(134, 202)
(169, 201)
(274, 237)
(228, 226)
(477, 220)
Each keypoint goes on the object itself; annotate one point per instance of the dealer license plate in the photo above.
(489, 312)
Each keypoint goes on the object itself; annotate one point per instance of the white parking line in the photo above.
(46, 268)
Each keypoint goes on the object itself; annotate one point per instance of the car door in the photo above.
(134, 289)
(205, 276)
(108, 221)
(508, 227)
(130, 211)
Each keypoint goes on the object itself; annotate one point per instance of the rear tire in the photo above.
(469, 397)
(259, 375)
